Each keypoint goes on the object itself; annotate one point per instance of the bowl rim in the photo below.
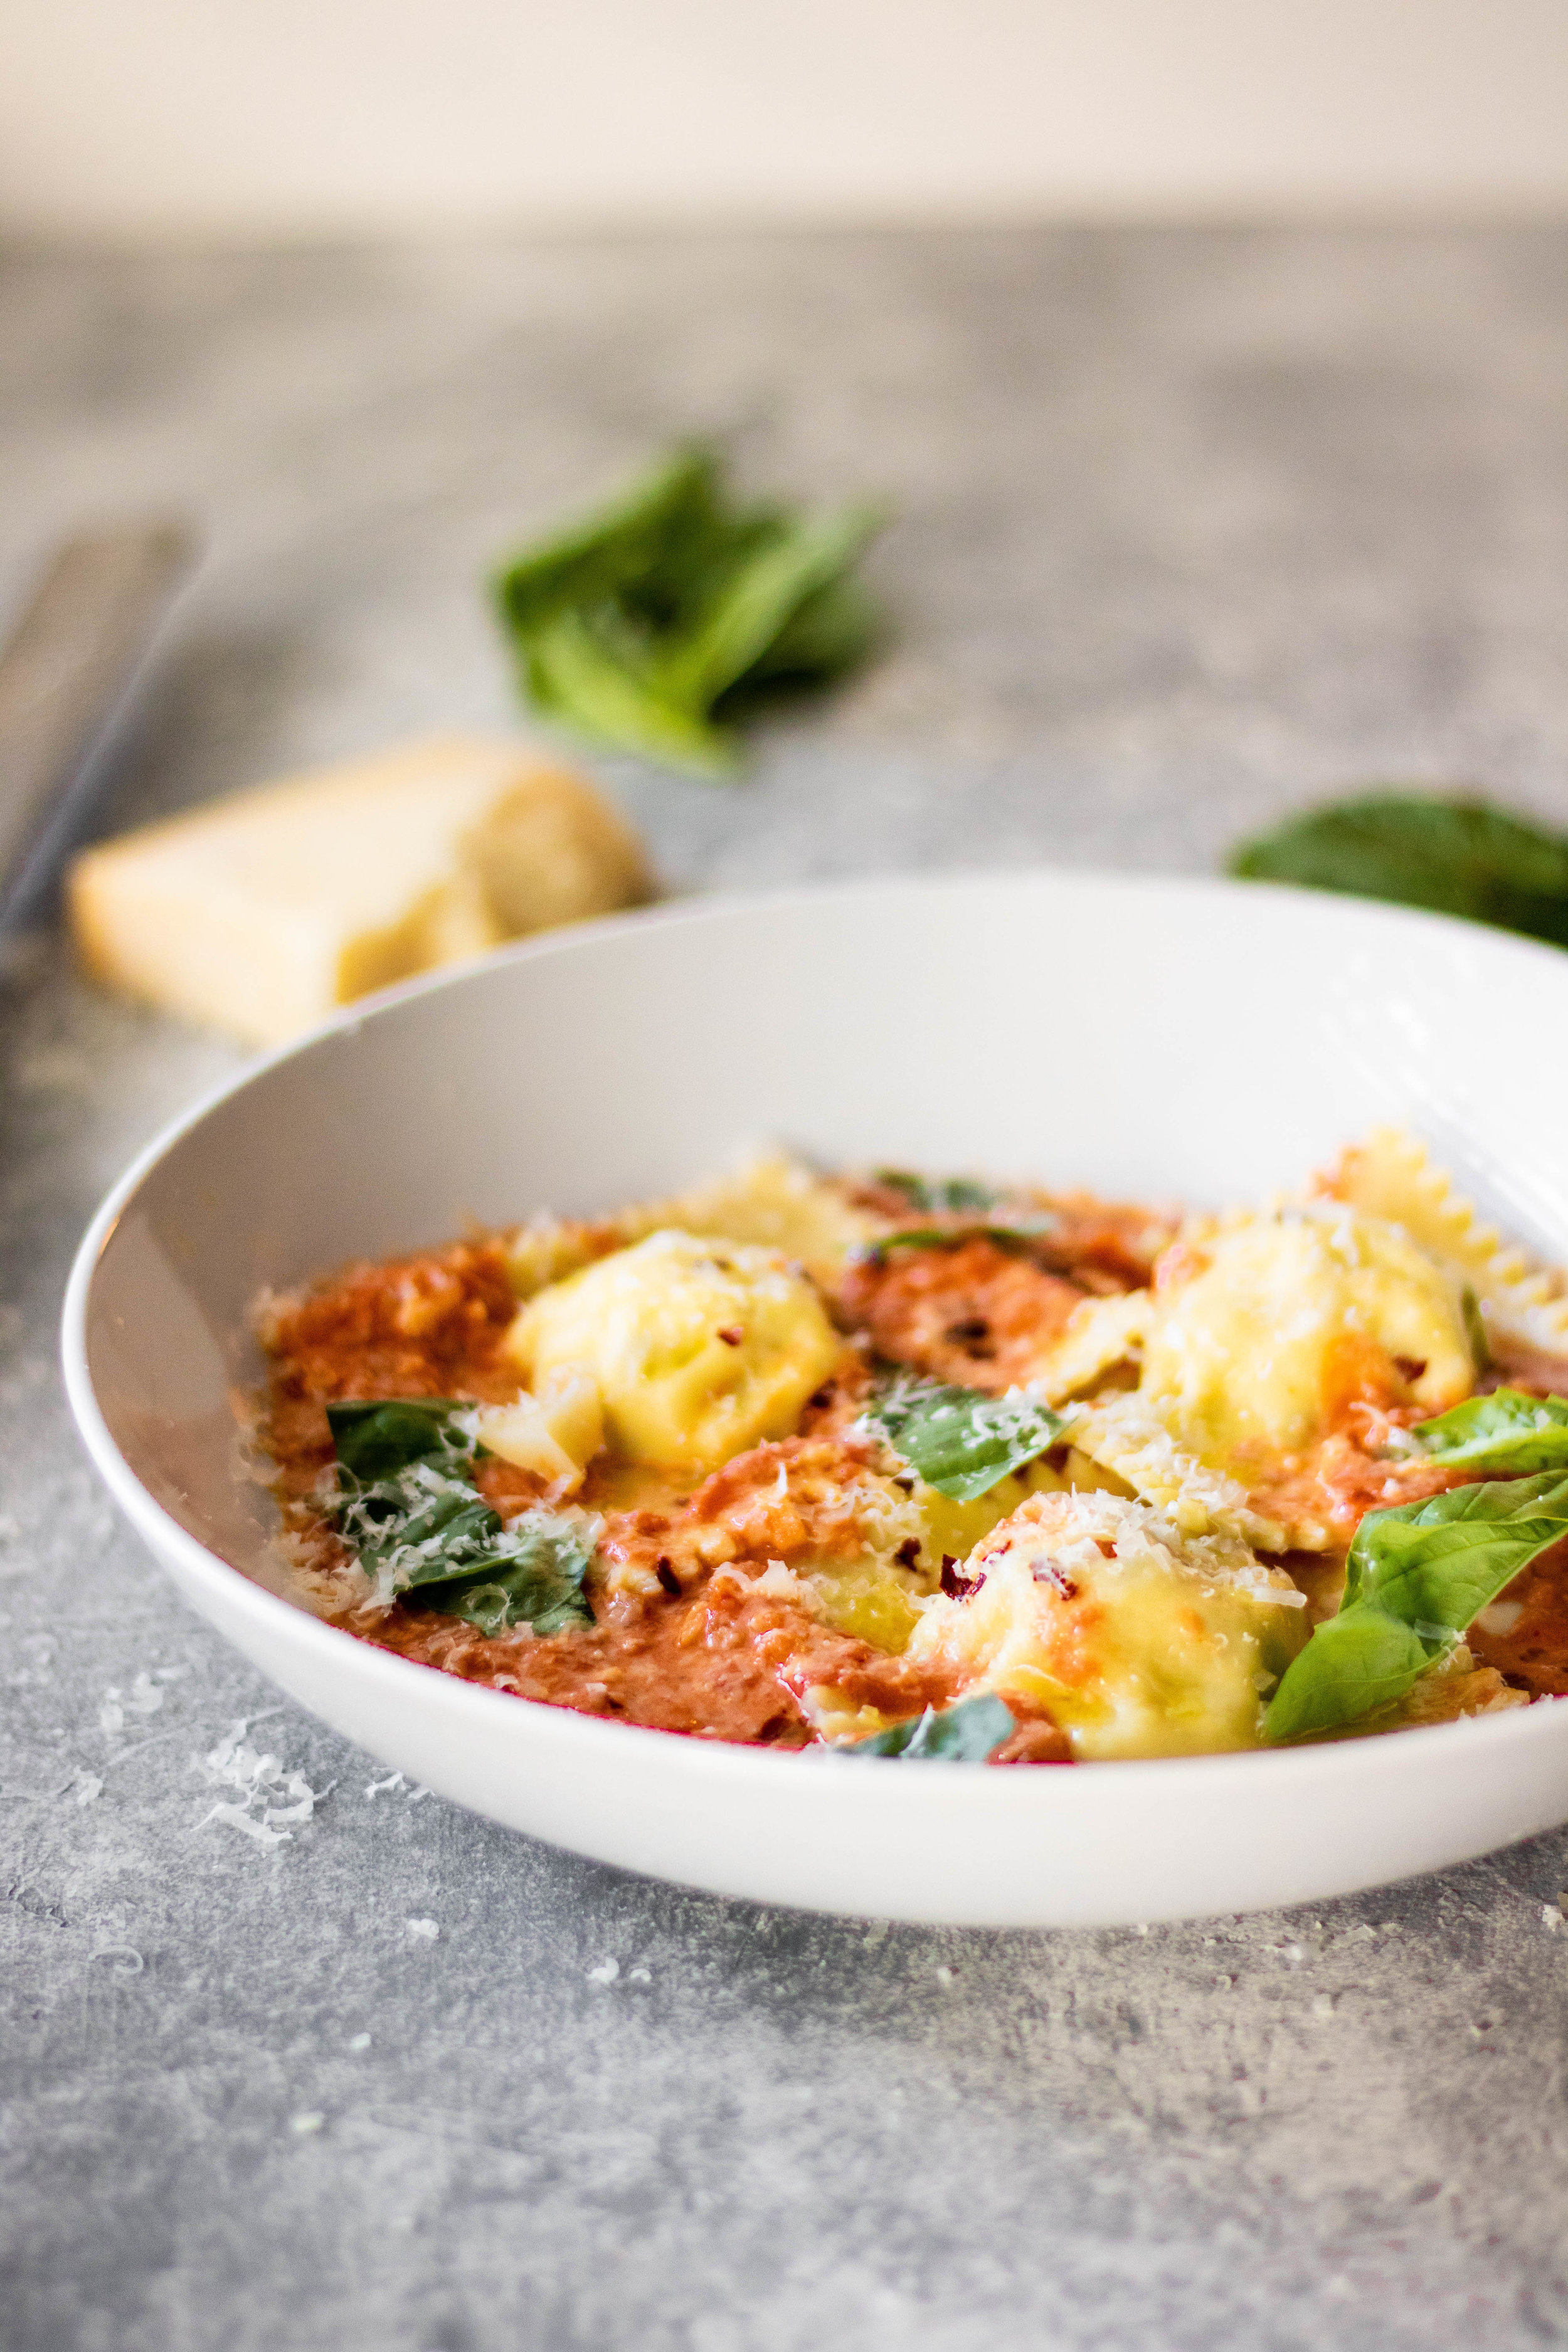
(1295, 1768)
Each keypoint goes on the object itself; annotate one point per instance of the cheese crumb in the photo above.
(269, 1795)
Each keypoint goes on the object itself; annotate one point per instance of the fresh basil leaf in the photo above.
(577, 673)
(617, 548)
(1437, 1562)
(958, 1440)
(938, 1195)
(1508, 1433)
(432, 1529)
(966, 1733)
(835, 630)
(408, 1508)
(1456, 856)
(1354, 1664)
(1417, 1577)
(536, 1579)
(420, 1526)
(636, 625)
(759, 603)
(375, 1440)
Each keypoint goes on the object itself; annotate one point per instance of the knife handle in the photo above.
(64, 675)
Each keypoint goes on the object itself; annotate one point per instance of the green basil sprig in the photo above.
(534, 1579)
(1416, 1578)
(936, 1196)
(409, 1507)
(958, 1440)
(657, 622)
(1457, 856)
(1508, 1433)
(377, 1439)
(966, 1733)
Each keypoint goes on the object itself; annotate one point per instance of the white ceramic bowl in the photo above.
(1205, 1041)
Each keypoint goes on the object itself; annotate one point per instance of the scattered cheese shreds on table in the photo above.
(143, 1697)
(269, 1793)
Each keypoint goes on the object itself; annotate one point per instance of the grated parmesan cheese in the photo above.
(1126, 1434)
(268, 1795)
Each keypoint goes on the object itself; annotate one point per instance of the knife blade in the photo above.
(66, 673)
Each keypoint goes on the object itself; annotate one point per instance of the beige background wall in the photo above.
(316, 117)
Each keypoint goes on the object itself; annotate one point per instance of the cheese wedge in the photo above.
(262, 913)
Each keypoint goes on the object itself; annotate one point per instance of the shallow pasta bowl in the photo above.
(1153, 1039)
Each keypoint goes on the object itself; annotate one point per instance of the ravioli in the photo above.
(1126, 1436)
(771, 1200)
(1259, 1336)
(1284, 1319)
(880, 1596)
(1137, 1640)
(1392, 1176)
(1099, 1335)
(698, 1348)
(555, 1434)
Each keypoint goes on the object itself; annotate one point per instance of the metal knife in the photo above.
(65, 678)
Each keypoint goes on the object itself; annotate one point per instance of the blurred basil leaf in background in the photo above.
(660, 622)
(1456, 856)
(937, 1196)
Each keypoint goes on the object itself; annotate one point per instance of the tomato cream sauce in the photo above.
(1345, 1474)
(975, 1314)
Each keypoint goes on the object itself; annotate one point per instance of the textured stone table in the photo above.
(1193, 525)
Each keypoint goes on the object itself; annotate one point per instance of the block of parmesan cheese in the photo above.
(261, 913)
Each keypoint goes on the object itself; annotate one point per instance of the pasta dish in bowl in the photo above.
(1030, 1410)
(918, 1467)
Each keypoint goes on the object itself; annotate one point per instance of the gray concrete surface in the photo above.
(1193, 525)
